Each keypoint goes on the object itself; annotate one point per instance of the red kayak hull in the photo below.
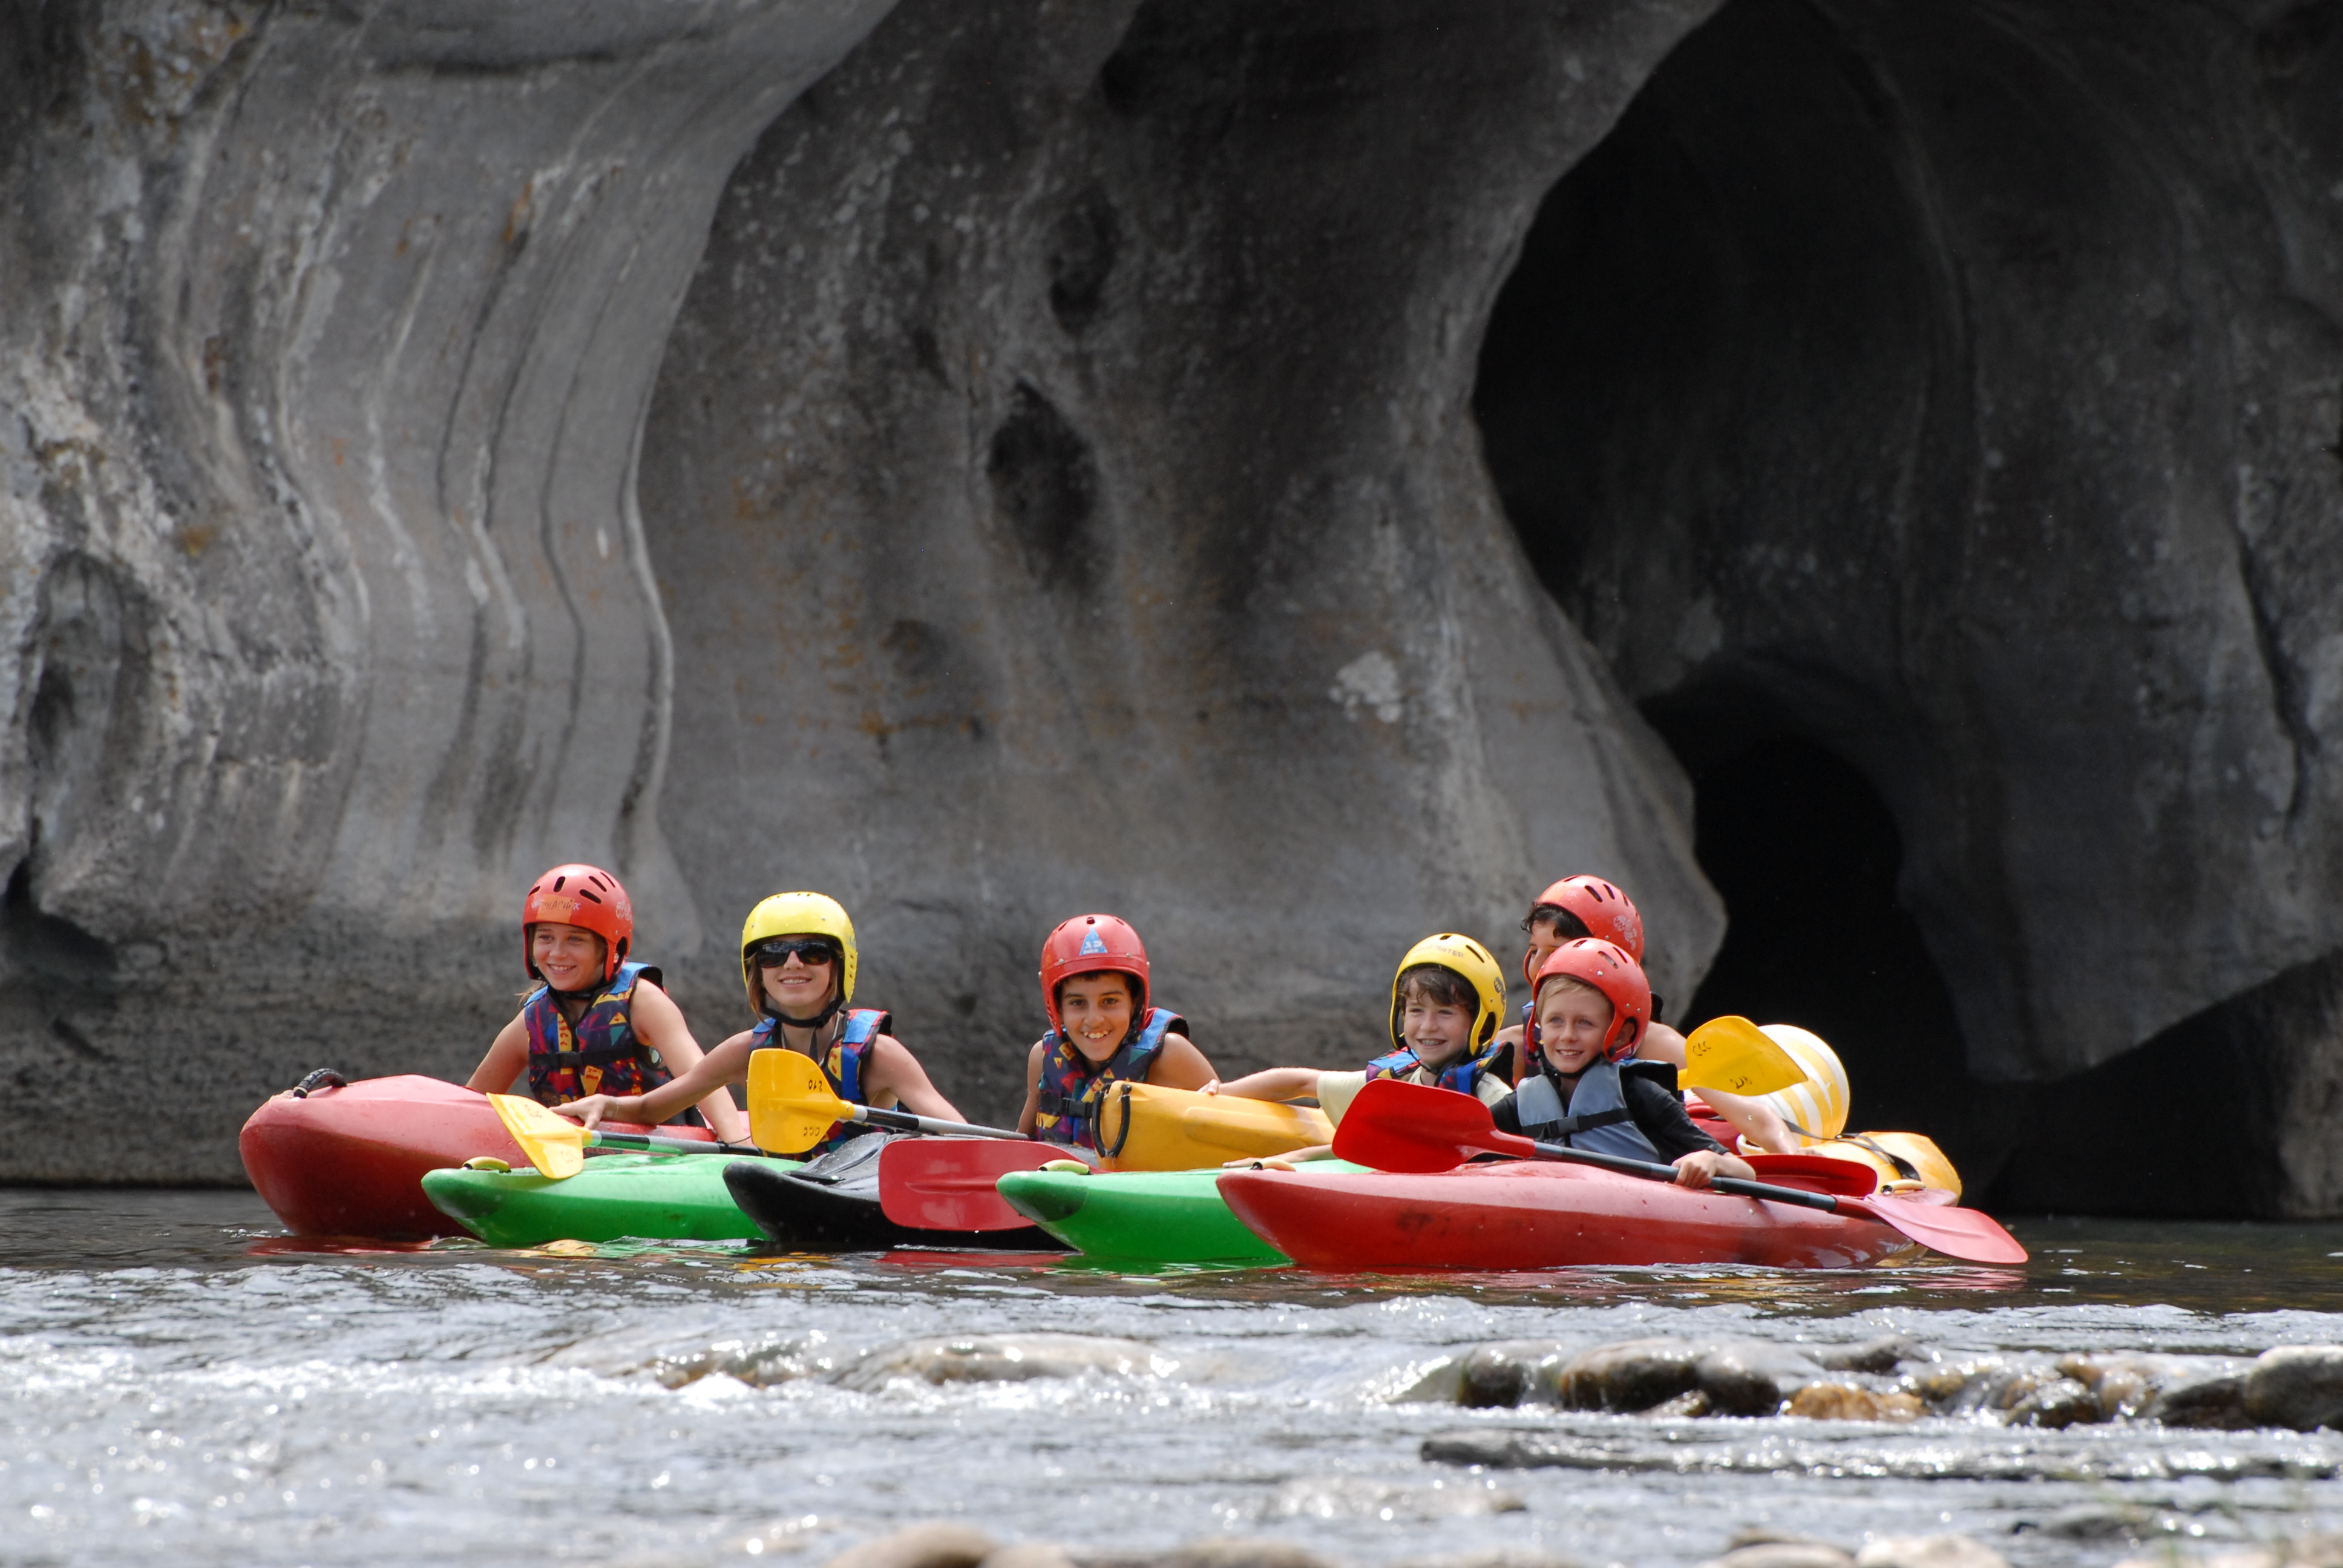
(349, 1161)
(1528, 1215)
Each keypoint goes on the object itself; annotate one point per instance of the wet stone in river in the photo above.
(1004, 1357)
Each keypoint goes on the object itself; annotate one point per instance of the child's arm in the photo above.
(659, 1023)
(1269, 1083)
(1661, 1043)
(508, 1054)
(1178, 1065)
(1029, 1119)
(898, 1079)
(1702, 1166)
(1755, 1119)
(727, 1063)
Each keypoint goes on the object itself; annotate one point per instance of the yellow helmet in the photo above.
(797, 915)
(1468, 959)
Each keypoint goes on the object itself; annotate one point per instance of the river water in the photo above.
(179, 1383)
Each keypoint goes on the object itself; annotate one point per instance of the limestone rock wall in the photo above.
(325, 615)
(1962, 394)
(1064, 496)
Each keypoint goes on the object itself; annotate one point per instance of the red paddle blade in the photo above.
(1963, 1233)
(1816, 1174)
(1395, 1126)
(947, 1183)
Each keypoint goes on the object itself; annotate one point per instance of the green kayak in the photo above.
(656, 1197)
(1145, 1216)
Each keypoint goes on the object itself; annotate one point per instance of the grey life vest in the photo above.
(1596, 1119)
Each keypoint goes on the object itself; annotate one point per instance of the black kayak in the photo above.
(831, 1205)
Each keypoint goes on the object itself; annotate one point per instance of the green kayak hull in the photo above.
(1145, 1216)
(652, 1197)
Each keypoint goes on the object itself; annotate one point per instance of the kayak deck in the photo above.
(1147, 1217)
(647, 1197)
(1535, 1215)
(349, 1160)
(831, 1205)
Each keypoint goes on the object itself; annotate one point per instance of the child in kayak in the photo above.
(598, 1023)
(798, 963)
(1586, 1089)
(1447, 998)
(1581, 907)
(1102, 1031)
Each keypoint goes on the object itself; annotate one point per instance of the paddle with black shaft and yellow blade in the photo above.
(947, 1183)
(1395, 1126)
(556, 1146)
(1735, 1055)
(791, 1107)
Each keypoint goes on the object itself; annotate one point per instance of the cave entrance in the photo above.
(1806, 855)
(1696, 396)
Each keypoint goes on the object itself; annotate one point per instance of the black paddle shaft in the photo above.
(644, 1143)
(1651, 1172)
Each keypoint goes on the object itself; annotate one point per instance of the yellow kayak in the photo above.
(1142, 1127)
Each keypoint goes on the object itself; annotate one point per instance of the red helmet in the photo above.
(1604, 910)
(1608, 968)
(1091, 944)
(584, 896)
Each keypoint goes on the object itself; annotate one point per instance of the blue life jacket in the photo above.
(844, 1064)
(1596, 1119)
(1463, 1075)
(597, 1055)
(1072, 1089)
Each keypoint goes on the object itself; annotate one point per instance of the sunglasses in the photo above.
(813, 951)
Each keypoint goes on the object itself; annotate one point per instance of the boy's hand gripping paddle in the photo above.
(556, 1146)
(947, 1183)
(792, 1105)
(1735, 1055)
(1395, 1126)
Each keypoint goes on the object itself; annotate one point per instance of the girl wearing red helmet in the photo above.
(1094, 983)
(1585, 1089)
(598, 1023)
(1580, 907)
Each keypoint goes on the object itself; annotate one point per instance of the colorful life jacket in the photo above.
(1071, 1089)
(599, 1054)
(844, 1064)
(1463, 1075)
(1596, 1119)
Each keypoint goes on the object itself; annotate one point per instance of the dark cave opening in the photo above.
(1806, 856)
(1707, 355)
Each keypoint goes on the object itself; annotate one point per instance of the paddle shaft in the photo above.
(645, 1143)
(904, 1121)
(1738, 1186)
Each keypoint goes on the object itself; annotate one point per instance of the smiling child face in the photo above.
(1095, 1012)
(800, 985)
(1437, 1031)
(1571, 1021)
(570, 958)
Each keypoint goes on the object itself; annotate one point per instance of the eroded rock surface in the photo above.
(1963, 395)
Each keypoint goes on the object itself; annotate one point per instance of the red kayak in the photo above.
(1539, 1215)
(349, 1159)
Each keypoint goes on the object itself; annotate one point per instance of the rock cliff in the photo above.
(1298, 474)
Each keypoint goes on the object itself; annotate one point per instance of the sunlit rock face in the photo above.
(1063, 496)
(324, 616)
(1957, 387)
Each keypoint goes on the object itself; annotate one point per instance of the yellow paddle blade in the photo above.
(791, 1104)
(1180, 1130)
(1735, 1055)
(554, 1144)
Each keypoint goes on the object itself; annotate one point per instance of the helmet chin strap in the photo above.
(816, 1021)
